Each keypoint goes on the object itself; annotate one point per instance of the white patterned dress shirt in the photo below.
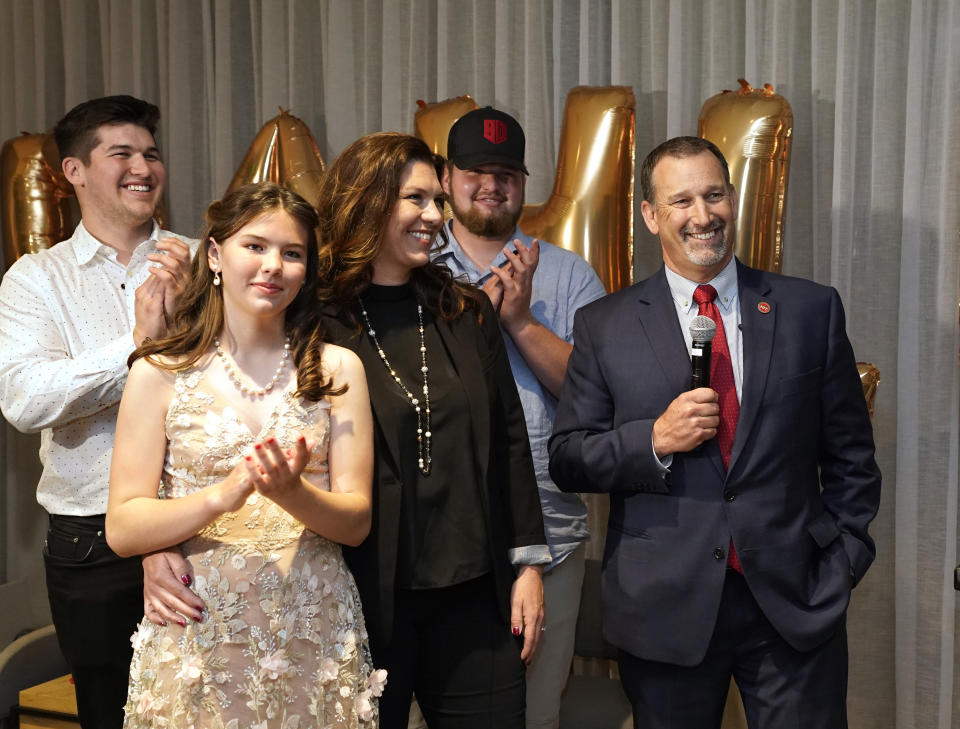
(66, 323)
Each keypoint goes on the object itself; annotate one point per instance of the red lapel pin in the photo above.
(763, 307)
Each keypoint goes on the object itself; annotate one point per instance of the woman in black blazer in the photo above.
(450, 576)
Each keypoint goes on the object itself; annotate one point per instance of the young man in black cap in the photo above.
(536, 287)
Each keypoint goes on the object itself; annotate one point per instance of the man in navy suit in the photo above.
(738, 512)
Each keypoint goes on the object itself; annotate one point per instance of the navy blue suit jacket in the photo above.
(800, 491)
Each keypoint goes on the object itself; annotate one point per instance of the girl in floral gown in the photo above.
(260, 437)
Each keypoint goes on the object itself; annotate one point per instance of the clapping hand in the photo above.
(156, 298)
(172, 270)
(273, 471)
(511, 286)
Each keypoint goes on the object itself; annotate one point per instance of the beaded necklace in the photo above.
(424, 435)
(234, 375)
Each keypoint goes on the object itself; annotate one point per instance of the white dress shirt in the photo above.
(66, 323)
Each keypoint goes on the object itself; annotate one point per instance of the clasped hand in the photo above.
(267, 469)
(156, 298)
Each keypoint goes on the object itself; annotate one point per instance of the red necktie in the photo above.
(722, 382)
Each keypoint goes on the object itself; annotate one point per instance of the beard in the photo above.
(708, 256)
(497, 224)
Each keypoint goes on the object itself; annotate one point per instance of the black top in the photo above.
(509, 500)
(443, 538)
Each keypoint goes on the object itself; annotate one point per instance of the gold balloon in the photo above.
(432, 122)
(753, 129)
(38, 209)
(590, 210)
(869, 379)
(283, 152)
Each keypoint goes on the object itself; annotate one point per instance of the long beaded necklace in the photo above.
(424, 460)
(245, 389)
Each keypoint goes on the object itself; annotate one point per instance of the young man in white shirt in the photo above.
(69, 318)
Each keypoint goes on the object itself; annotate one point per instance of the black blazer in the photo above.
(511, 504)
(801, 488)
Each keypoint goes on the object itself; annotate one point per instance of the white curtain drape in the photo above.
(873, 204)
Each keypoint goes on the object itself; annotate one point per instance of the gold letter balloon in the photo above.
(590, 210)
(869, 379)
(284, 152)
(753, 129)
(38, 202)
(432, 122)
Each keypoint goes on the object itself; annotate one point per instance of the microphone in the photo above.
(702, 329)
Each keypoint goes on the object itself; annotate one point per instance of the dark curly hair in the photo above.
(357, 196)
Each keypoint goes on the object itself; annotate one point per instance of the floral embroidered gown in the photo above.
(283, 643)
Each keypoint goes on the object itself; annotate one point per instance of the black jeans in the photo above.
(96, 599)
(451, 647)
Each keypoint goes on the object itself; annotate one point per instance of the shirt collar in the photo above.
(86, 246)
(452, 246)
(454, 250)
(724, 282)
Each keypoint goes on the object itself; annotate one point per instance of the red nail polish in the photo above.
(257, 447)
(186, 579)
(249, 458)
(271, 440)
(182, 623)
(198, 619)
(516, 632)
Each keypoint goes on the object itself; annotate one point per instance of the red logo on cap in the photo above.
(494, 131)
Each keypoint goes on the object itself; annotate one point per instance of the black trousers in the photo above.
(96, 599)
(782, 688)
(451, 647)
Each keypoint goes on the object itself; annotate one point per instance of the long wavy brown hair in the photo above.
(198, 320)
(357, 196)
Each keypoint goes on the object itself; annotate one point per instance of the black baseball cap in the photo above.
(485, 136)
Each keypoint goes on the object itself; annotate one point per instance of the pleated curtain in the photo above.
(873, 206)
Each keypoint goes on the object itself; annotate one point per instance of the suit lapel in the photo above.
(658, 319)
(758, 315)
(468, 364)
(380, 393)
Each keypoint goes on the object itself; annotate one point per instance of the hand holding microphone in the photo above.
(693, 416)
